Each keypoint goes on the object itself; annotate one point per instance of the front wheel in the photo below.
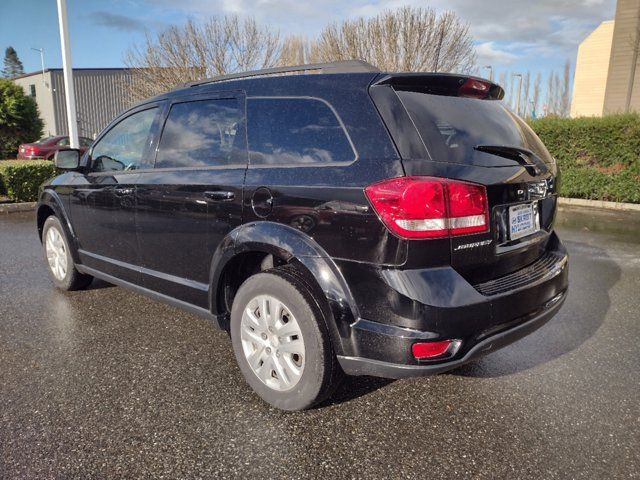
(281, 342)
(57, 253)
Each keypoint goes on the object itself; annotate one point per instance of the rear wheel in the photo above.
(281, 342)
(57, 253)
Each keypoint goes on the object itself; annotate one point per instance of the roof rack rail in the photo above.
(344, 66)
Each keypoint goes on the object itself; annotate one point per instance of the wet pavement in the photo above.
(105, 383)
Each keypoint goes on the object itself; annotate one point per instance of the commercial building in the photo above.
(101, 93)
(607, 77)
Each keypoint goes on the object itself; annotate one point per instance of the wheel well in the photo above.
(239, 269)
(44, 212)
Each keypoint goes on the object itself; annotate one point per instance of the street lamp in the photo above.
(490, 68)
(519, 75)
(41, 50)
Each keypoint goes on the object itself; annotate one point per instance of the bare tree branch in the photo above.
(195, 51)
(407, 39)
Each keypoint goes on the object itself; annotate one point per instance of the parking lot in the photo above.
(106, 383)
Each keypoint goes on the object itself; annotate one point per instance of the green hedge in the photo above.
(20, 179)
(599, 157)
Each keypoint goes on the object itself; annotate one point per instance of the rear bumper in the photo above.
(401, 307)
(379, 368)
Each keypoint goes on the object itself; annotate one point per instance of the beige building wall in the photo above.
(43, 96)
(627, 29)
(592, 66)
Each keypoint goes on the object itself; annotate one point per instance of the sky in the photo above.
(510, 35)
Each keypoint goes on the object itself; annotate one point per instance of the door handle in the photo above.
(220, 195)
(123, 191)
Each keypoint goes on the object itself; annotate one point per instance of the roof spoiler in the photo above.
(448, 84)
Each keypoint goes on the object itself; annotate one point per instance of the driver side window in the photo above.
(123, 147)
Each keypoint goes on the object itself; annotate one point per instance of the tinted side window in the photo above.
(202, 133)
(123, 147)
(295, 131)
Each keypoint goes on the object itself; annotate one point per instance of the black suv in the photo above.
(347, 221)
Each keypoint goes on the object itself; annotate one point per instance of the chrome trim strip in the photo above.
(147, 271)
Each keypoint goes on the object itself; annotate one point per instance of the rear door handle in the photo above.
(219, 195)
(123, 191)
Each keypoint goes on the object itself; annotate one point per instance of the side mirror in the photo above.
(67, 159)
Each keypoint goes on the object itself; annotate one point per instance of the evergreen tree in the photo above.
(12, 64)
(20, 121)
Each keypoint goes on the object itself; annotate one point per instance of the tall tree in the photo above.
(12, 64)
(296, 50)
(565, 96)
(193, 51)
(407, 39)
(535, 100)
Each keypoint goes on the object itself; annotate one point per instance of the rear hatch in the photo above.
(468, 134)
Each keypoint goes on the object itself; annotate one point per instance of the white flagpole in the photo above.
(68, 74)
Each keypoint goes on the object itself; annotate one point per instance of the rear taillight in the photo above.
(428, 207)
(475, 88)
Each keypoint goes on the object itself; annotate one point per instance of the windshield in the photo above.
(43, 140)
(451, 127)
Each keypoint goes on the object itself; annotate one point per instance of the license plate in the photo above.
(523, 220)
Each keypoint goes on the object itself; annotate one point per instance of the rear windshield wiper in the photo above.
(524, 157)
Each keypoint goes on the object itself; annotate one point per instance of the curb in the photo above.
(17, 207)
(581, 202)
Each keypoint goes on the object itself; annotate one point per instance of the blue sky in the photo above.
(513, 35)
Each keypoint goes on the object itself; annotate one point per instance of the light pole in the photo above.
(519, 75)
(68, 75)
(490, 68)
(41, 50)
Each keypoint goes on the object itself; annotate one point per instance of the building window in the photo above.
(32, 90)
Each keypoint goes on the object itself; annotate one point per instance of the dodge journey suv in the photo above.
(332, 218)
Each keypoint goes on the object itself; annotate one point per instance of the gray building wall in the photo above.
(101, 94)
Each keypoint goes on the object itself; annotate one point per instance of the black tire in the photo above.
(72, 279)
(321, 373)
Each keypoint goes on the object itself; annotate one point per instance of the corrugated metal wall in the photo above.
(100, 96)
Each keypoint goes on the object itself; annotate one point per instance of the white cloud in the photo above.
(505, 30)
(489, 54)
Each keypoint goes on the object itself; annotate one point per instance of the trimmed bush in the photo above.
(599, 158)
(21, 180)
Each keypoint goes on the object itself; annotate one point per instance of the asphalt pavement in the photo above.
(105, 383)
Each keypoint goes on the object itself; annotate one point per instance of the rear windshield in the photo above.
(452, 126)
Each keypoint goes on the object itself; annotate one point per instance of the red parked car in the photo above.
(47, 147)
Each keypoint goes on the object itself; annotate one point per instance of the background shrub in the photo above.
(20, 180)
(599, 157)
(19, 118)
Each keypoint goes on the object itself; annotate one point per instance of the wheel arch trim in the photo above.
(50, 199)
(294, 247)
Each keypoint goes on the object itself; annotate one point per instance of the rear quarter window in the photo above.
(295, 131)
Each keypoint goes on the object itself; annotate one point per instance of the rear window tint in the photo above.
(295, 131)
(452, 126)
